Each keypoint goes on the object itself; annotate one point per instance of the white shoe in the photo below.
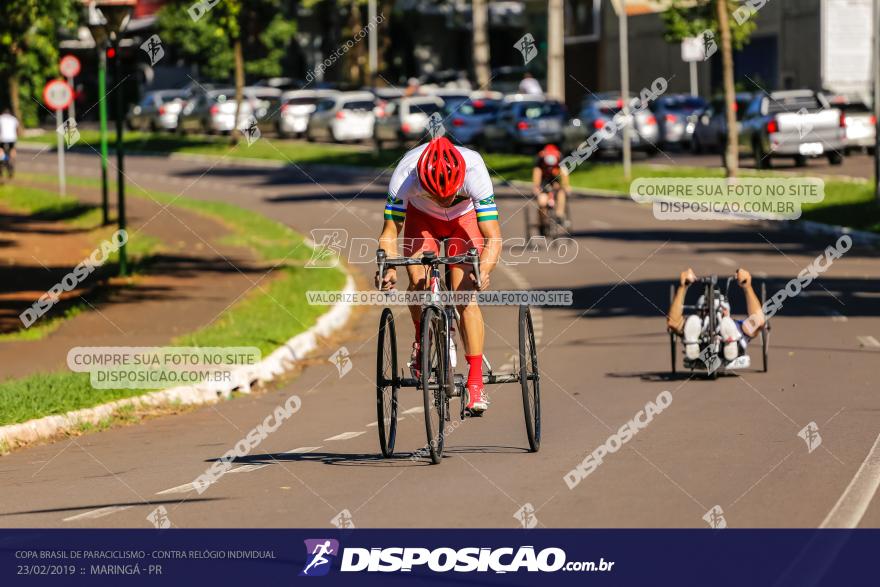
(730, 336)
(692, 328)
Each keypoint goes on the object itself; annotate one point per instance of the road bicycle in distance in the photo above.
(439, 382)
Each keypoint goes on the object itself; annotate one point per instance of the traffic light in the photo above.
(111, 52)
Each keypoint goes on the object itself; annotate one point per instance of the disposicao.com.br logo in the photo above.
(444, 559)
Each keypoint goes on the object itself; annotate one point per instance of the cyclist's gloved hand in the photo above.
(687, 277)
(389, 281)
(743, 277)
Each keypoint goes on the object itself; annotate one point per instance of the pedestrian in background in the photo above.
(529, 85)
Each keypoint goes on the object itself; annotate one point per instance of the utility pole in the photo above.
(556, 50)
(481, 43)
(620, 7)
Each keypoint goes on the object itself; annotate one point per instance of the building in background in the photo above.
(817, 44)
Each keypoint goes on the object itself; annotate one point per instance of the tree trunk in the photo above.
(732, 148)
(556, 51)
(239, 85)
(481, 43)
(15, 95)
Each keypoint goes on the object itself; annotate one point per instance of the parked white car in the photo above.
(347, 116)
(296, 108)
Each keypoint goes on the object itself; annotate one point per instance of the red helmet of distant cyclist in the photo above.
(441, 168)
(550, 155)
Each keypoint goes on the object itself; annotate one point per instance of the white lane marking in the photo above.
(301, 450)
(852, 505)
(247, 468)
(373, 424)
(98, 513)
(868, 341)
(727, 261)
(185, 488)
(345, 435)
(837, 316)
(415, 410)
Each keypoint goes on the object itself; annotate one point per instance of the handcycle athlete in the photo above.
(735, 334)
(440, 191)
(550, 185)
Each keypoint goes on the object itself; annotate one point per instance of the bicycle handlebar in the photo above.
(428, 258)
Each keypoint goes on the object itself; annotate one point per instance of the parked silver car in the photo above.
(157, 110)
(213, 112)
(405, 119)
(295, 109)
(347, 116)
(792, 123)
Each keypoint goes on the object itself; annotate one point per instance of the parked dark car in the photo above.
(676, 117)
(710, 130)
(464, 123)
(525, 123)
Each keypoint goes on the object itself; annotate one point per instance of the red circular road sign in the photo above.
(69, 66)
(57, 94)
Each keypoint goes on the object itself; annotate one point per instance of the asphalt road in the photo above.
(731, 443)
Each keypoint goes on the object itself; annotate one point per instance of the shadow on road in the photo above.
(399, 459)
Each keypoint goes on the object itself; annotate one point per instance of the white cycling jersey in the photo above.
(405, 190)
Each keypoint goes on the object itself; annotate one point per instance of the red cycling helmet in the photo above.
(441, 168)
(550, 155)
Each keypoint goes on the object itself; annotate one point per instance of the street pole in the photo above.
(71, 110)
(62, 184)
(695, 91)
(877, 99)
(102, 115)
(120, 155)
(624, 88)
(556, 50)
(373, 41)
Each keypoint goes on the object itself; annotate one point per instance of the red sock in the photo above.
(475, 369)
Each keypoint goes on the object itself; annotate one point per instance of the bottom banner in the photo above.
(440, 557)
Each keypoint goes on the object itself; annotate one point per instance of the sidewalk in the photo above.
(194, 278)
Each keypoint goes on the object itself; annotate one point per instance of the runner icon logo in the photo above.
(810, 434)
(320, 555)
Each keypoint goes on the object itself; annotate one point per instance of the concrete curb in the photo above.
(859, 237)
(280, 361)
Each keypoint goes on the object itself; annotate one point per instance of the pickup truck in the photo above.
(792, 123)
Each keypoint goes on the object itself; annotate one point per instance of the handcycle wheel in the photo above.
(529, 378)
(387, 383)
(765, 331)
(672, 334)
(434, 379)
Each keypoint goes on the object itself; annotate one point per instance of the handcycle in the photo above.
(711, 359)
(548, 225)
(438, 381)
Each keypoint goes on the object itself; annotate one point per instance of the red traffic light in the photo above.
(111, 52)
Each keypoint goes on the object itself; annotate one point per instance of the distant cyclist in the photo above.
(735, 334)
(440, 191)
(550, 184)
(8, 138)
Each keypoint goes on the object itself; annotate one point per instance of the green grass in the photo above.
(47, 205)
(265, 318)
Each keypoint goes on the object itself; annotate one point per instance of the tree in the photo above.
(480, 10)
(232, 38)
(696, 18)
(29, 50)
